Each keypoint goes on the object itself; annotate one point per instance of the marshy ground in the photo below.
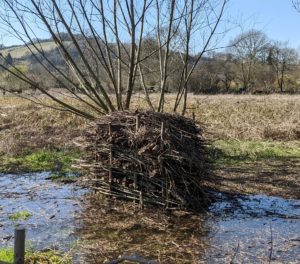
(255, 145)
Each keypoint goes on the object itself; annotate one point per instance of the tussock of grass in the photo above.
(235, 151)
(21, 215)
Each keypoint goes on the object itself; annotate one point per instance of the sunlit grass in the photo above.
(48, 257)
(6, 255)
(235, 151)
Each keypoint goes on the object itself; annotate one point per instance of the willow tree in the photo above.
(104, 47)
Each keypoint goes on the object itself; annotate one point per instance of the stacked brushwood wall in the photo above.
(152, 158)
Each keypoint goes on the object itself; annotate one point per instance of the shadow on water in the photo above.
(237, 229)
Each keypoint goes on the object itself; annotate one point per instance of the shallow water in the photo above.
(244, 229)
(254, 229)
(51, 204)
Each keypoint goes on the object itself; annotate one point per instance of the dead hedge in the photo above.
(149, 157)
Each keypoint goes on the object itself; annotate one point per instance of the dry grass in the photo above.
(26, 127)
(275, 117)
(242, 117)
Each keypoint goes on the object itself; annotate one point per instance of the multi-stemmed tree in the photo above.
(105, 44)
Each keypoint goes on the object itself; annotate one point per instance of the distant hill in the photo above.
(19, 52)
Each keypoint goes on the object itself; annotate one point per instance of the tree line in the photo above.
(251, 63)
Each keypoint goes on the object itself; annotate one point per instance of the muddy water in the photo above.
(52, 206)
(244, 229)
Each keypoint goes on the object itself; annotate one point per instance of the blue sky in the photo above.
(277, 18)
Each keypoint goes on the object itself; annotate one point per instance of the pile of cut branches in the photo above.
(149, 157)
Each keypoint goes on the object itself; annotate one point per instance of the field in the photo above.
(252, 133)
(253, 141)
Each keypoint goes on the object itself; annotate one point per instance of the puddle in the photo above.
(52, 206)
(254, 229)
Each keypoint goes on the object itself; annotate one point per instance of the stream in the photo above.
(243, 229)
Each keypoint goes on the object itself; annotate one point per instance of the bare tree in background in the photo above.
(107, 37)
(296, 4)
(248, 49)
(282, 58)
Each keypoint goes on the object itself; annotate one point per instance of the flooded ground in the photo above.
(52, 207)
(240, 229)
(255, 229)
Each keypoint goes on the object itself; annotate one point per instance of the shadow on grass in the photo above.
(257, 167)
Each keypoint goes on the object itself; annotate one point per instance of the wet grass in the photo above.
(50, 256)
(41, 160)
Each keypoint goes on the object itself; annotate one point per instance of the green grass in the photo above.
(236, 151)
(7, 255)
(21, 215)
(50, 256)
(41, 160)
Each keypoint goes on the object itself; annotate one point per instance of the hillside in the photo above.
(19, 52)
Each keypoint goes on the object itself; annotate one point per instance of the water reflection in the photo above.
(240, 229)
(254, 229)
(52, 206)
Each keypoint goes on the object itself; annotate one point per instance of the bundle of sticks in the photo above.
(149, 157)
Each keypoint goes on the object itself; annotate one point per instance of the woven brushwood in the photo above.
(149, 157)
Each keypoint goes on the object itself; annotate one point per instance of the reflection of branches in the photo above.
(235, 253)
(271, 243)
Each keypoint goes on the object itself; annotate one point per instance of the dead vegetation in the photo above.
(110, 228)
(26, 127)
(248, 117)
